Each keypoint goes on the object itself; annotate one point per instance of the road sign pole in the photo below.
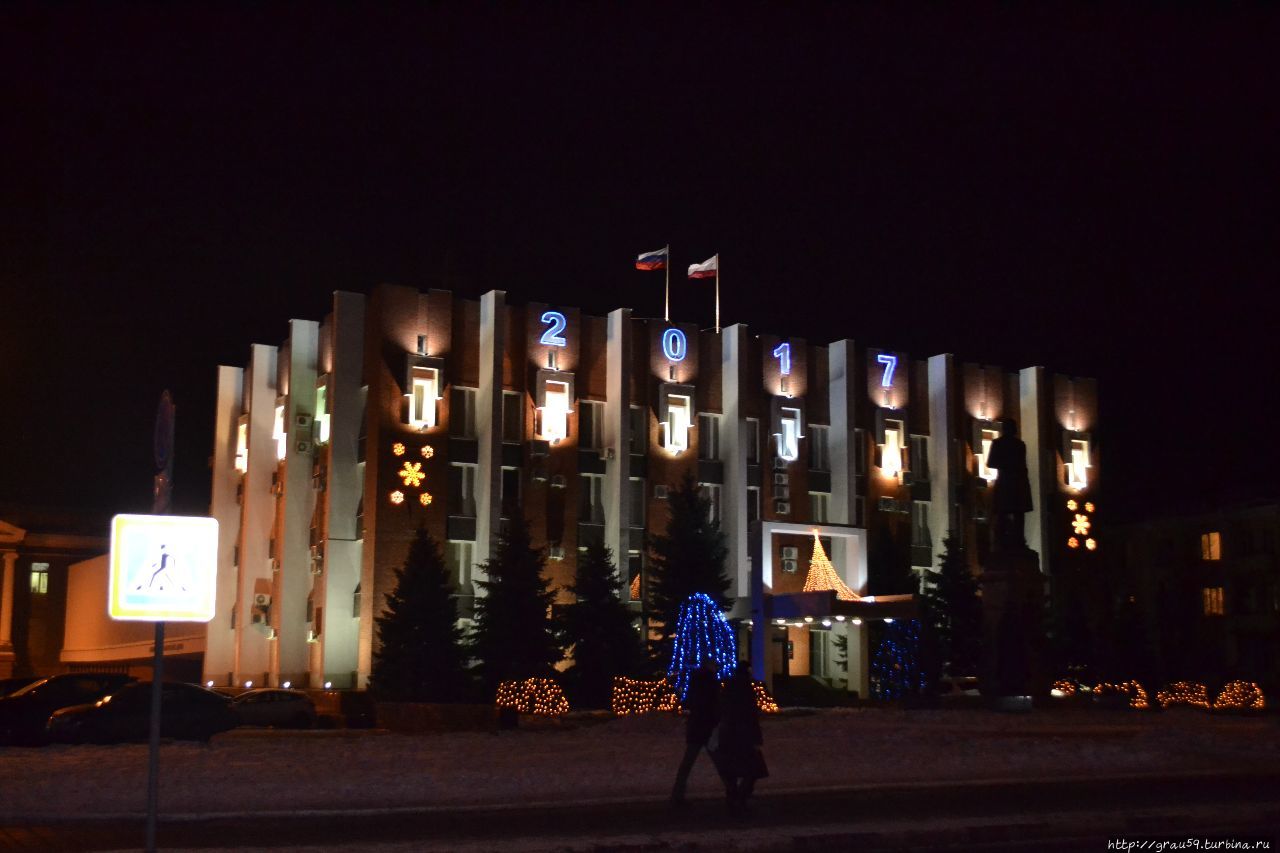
(153, 755)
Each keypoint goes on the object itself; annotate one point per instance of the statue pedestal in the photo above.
(1012, 625)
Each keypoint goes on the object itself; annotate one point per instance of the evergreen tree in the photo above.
(889, 562)
(953, 609)
(512, 637)
(420, 656)
(687, 559)
(598, 628)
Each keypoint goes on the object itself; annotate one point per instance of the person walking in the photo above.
(702, 704)
(739, 752)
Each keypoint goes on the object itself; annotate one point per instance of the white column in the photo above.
(1032, 429)
(6, 602)
(943, 473)
(844, 389)
(489, 426)
(733, 452)
(257, 513)
(617, 438)
(219, 651)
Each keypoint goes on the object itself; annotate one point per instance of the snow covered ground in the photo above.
(264, 771)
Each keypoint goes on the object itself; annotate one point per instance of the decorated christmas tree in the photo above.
(895, 669)
(702, 632)
(822, 575)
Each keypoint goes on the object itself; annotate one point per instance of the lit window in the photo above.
(424, 391)
(988, 474)
(322, 411)
(789, 436)
(676, 426)
(39, 578)
(709, 437)
(1212, 601)
(555, 414)
(1210, 546)
(278, 434)
(1076, 469)
(242, 445)
(891, 450)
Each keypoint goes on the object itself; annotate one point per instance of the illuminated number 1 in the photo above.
(889, 362)
(783, 353)
(552, 337)
(674, 344)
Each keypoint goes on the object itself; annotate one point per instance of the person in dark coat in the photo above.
(739, 751)
(702, 704)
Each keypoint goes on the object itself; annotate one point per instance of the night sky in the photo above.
(1098, 194)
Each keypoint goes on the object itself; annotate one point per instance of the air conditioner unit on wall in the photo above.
(790, 566)
(661, 491)
(780, 479)
(782, 507)
(262, 599)
(781, 493)
(780, 464)
(790, 552)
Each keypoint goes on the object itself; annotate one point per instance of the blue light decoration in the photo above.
(890, 363)
(782, 352)
(701, 632)
(674, 344)
(896, 670)
(552, 337)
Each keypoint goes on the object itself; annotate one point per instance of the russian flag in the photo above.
(706, 269)
(655, 260)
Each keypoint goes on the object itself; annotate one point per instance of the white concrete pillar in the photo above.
(943, 459)
(617, 438)
(1033, 429)
(220, 637)
(257, 513)
(844, 393)
(489, 427)
(733, 452)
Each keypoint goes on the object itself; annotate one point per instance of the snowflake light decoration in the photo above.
(1091, 544)
(428, 451)
(1073, 542)
(425, 500)
(411, 473)
(1072, 505)
(1088, 507)
(397, 449)
(397, 498)
(1081, 524)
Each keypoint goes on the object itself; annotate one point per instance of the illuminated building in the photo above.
(327, 444)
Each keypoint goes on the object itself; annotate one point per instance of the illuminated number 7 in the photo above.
(890, 362)
(552, 337)
(782, 352)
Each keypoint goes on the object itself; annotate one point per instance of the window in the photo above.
(789, 437)
(462, 412)
(1076, 468)
(242, 444)
(591, 504)
(590, 425)
(753, 504)
(708, 437)
(677, 424)
(639, 430)
(638, 497)
(819, 453)
(859, 452)
(512, 417)
(753, 441)
(460, 557)
(462, 490)
(920, 457)
(820, 504)
(39, 578)
(555, 414)
(1210, 546)
(891, 450)
(424, 390)
(818, 653)
(920, 534)
(988, 474)
(1213, 601)
(712, 492)
(322, 411)
(278, 434)
(510, 492)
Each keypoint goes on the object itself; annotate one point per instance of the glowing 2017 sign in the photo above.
(556, 323)
(674, 344)
(782, 352)
(890, 363)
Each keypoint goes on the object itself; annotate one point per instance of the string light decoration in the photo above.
(1063, 688)
(428, 451)
(1088, 506)
(1091, 544)
(766, 703)
(1073, 542)
(631, 696)
(1184, 693)
(1136, 692)
(702, 632)
(1072, 505)
(1081, 524)
(411, 473)
(397, 449)
(822, 575)
(635, 587)
(425, 499)
(1240, 696)
(541, 696)
(895, 670)
(397, 498)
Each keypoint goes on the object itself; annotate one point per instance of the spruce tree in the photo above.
(598, 630)
(512, 637)
(954, 610)
(687, 559)
(420, 658)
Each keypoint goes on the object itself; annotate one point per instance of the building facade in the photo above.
(405, 408)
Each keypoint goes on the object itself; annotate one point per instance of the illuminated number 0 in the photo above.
(674, 345)
(552, 337)
(889, 362)
(783, 353)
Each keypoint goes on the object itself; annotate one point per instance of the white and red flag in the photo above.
(706, 269)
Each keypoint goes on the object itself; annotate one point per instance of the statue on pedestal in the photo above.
(1012, 498)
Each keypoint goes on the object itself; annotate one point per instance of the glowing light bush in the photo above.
(533, 696)
(1184, 693)
(1240, 696)
(1133, 690)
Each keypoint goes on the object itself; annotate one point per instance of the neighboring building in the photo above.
(408, 408)
(37, 548)
(1205, 591)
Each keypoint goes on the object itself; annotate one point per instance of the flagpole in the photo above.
(666, 298)
(717, 293)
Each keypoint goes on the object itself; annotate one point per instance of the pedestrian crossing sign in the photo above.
(164, 568)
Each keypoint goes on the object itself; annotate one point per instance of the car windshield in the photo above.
(35, 685)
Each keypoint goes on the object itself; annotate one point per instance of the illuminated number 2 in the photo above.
(552, 337)
(782, 352)
(674, 344)
(890, 362)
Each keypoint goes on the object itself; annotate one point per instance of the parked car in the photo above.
(187, 712)
(270, 706)
(12, 685)
(24, 713)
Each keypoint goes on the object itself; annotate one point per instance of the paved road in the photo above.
(1048, 815)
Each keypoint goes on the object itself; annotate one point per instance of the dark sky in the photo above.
(1096, 193)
